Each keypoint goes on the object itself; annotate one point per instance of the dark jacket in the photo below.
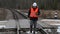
(33, 18)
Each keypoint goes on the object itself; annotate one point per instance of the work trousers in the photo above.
(33, 24)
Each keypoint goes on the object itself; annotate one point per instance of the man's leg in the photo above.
(35, 22)
(31, 25)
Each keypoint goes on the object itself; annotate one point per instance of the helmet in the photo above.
(34, 4)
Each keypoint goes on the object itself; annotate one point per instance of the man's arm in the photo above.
(29, 13)
(39, 12)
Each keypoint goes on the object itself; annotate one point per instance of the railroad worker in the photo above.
(33, 16)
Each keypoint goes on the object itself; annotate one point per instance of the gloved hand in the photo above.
(40, 15)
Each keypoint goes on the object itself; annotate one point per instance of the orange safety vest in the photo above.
(34, 12)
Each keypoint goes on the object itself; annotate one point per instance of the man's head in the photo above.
(34, 5)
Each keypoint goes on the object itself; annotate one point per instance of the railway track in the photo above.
(21, 15)
(17, 15)
(16, 19)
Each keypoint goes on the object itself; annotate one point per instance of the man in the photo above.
(33, 15)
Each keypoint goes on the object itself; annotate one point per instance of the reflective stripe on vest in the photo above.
(34, 12)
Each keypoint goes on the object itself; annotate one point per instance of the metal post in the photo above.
(17, 28)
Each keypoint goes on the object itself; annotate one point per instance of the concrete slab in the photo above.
(8, 24)
(24, 23)
(48, 23)
(11, 24)
(3, 22)
(53, 22)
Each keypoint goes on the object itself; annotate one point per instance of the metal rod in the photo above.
(17, 24)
